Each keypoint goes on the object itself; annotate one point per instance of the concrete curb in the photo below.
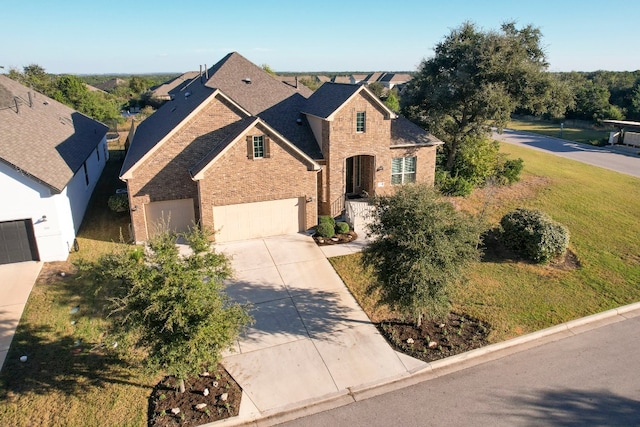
(438, 368)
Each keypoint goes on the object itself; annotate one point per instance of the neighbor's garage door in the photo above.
(261, 219)
(178, 215)
(17, 242)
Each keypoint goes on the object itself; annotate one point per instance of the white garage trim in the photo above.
(176, 215)
(259, 219)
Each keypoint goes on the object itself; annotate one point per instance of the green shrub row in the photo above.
(328, 227)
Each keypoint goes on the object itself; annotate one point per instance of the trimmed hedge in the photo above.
(342, 227)
(118, 202)
(327, 219)
(326, 230)
(533, 235)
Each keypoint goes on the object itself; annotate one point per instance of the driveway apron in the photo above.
(310, 338)
(16, 282)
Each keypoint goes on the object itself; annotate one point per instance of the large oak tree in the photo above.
(476, 79)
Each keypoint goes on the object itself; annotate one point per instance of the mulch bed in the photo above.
(222, 400)
(436, 340)
(335, 240)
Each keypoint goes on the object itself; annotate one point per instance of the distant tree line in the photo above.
(72, 90)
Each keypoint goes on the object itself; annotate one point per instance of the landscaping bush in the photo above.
(326, 230)
(453, 185)
(510, 170)
(327, 219)
(342, 227)
(533, 235)
(118, 202)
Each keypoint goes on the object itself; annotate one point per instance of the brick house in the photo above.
(248, 155)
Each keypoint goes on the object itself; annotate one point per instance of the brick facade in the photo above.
(235, 178)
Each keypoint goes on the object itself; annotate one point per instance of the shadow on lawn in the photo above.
(59, 364)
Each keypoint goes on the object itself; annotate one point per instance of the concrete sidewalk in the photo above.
(311, 341)
(16, 282)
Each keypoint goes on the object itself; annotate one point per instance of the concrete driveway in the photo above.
(311, 340)
(16, 282)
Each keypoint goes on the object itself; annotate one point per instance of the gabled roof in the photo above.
(235, 135)
(248, 85)
(395, 77)
(405, 133)
(242, 83)
(154, 129)
(43, 138)
(330, 97)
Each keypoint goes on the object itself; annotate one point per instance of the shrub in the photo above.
(533, 235)
(328, 219)
(453, 185)
(342, 227)
(118, 202)
(510, 171)
(325, 229)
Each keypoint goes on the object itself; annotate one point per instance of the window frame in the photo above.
(361, 121)
(406, 175)
(258, 147)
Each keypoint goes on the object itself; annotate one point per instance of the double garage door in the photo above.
(261, 219)
(233, 222)
(17, 242)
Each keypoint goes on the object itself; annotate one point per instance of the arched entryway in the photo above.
(359, 176)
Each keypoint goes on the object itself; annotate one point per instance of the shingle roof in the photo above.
(153, 129)
(164, 90)
(328, 97)
(395, 77)
(44, 138)
(246, 84)
(405, 132)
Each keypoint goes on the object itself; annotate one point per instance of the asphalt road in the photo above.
(625, 160)
(585, 380)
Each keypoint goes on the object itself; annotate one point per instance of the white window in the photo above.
(403, 170)
(360, 121)
(258, 147)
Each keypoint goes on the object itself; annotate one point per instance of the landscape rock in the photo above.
(201, 406)
(410, 341)
(433, 344)
(175, 411)
(224, 397)
(206, 392)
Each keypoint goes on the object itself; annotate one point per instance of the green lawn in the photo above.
(589, 135)
(68, 379)
(601, 210)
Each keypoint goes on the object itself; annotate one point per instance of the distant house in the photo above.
(390, 80)
(110, 84)
(51, 157)
(341, 79)
(163, 91)
(239, 151)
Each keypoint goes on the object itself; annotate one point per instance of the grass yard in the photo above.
(589, 135)
(601, 209)
(68, 379)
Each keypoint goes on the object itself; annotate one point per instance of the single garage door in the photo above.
(261, 219)
(177, 215)
(17, 242)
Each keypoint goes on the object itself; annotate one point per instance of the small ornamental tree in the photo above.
(533, 235)
(171, 309)
(421, 246)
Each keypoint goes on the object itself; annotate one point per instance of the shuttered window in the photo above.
(258, 147)
(403, 170)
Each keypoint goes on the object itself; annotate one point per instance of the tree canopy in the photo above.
(421, 246)
(476, 79)
(170, 308)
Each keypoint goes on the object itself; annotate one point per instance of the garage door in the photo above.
(17, 242)
(261, 219)
(177, 215)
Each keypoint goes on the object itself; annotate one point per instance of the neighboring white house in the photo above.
(51, 157)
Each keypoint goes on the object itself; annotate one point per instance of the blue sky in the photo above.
(140, 36)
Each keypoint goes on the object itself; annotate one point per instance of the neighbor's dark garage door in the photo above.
(17, 242)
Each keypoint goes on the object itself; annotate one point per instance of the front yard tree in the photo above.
(421, 246)
(170, 308)
(476, 80)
